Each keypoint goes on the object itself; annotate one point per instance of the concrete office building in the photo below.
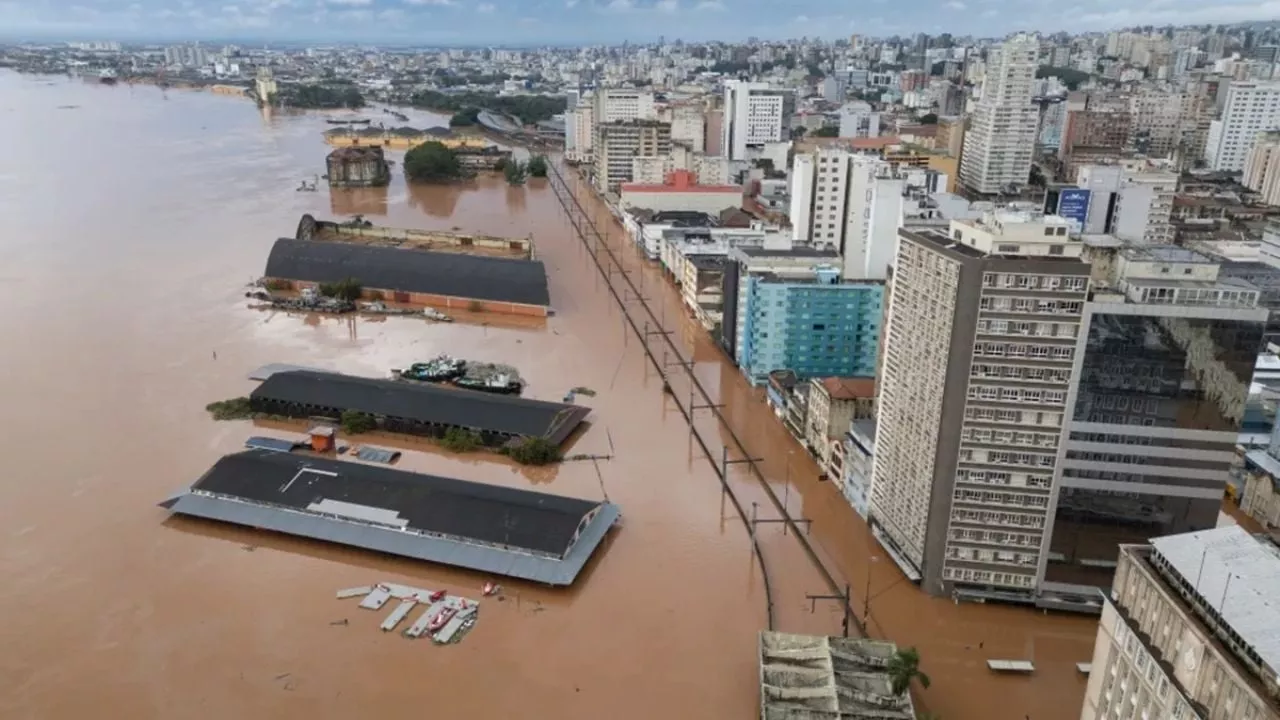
(858, 120)
(616, 104)
(979, 342)
(1132, 200)
(1001, 139)
(580, 133)
(1251, 108)
(1189, 631)
(753, 116)
(617, 144)
(1163, 370)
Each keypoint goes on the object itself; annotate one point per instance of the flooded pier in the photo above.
(125, 285)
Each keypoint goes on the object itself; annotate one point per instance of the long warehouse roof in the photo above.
(418, 271)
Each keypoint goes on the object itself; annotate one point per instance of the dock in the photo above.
(376, 596)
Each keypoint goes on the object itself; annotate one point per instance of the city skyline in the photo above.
(580, 22)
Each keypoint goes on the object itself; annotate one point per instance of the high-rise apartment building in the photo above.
(1251, 108)
(1188, 631)
(848, 202)
(1001, 139)
(617, 144)
(979, 343)
(1262, 168)
(579, 143)
(1163, 369)
(1132, 200)
(754, 114)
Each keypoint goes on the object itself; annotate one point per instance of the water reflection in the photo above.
(359, 201)
(437, 199)
(516, 199)
(1151, 386)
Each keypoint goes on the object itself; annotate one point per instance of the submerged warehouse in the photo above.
(505, 531)
(414, 409)
(442, 279)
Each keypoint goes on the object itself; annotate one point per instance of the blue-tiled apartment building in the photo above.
(805, 318)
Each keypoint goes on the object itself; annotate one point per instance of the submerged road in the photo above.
(769, 472)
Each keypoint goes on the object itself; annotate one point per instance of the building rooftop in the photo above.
(796, 251)
(416, 271)
(1236, 575)
(424, 403)
(809, 677)
(849, 388)
(509, 531)
(1165, 254)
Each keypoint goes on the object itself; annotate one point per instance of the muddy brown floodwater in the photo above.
(132, 222)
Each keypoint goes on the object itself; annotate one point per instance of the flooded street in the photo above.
(132, 223)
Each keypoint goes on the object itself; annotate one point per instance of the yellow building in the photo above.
(228, 90)
(401, 138)
(919, 157)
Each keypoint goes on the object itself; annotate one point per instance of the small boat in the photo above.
(438, 369)
(490, 588)
(441, 619)
(436, 596)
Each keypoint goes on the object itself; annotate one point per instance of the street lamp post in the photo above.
(866, 594)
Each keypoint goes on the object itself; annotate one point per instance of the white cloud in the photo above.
(955, 5)
(990, 13)
(801, 19)
(428, 2)
(667, 6)
(486, 8)
(570, 3)
(351, 3)
(710, 6)
(619, 5)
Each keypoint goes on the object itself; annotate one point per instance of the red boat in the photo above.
(441, 619)
(436, 596)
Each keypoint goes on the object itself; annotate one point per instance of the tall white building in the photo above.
(999, 144)
(978, 346)
(615, 104)
(858, 120)
(851, 203)
(753, 116)
(1132, 201)
(1250, 108)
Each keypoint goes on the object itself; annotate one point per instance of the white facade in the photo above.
(1251, 108)
(999, 144)
(753, 115)
(1143, 200)
(801, 214)
(857, 120)
(614, 104)
(579, 141)
(1262, 168)
(1188, 631)
(688, 126)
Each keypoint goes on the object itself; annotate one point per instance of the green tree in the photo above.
(432, 162)
(465, 117)
(535, 451)
(355, 422)
(331, 96)
(904, 667)
(1070, 77)
(537, 166)
(516, 172)
(348, 289)
(929, 119)
(826, 131)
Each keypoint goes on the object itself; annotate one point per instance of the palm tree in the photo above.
(904, 667)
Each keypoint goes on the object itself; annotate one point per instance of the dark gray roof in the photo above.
(505, 414)
(418, 271)
(508, 531)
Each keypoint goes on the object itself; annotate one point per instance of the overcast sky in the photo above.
(479, 22)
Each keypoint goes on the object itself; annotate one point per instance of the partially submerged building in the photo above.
(357, 167)
(363, 232)
(441, 279)
(504, 531)
(811, 677)
(416, 409)
(400, 138)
